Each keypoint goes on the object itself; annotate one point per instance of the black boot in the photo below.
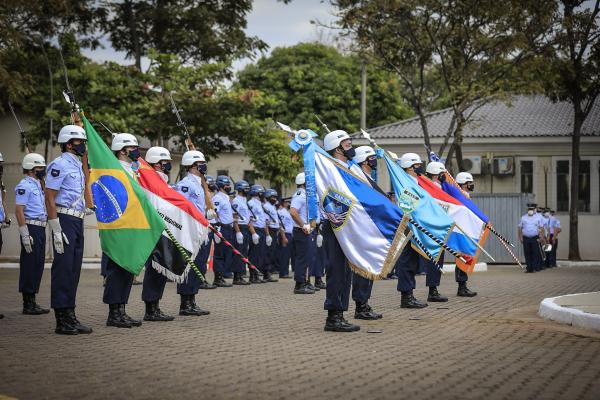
(364, 311)
(188, 306)
(115, 318)
(268, 278)
(336, 323)
(301, 288)
(153, 313)
(255, 277)
(408, 301)
(30, 307)
(435, 296)
(133, 322)
(319, 284)
(63, 323)
(76, 324)
(463, 290)
(239, 280)
(207, 286)
(220, 281)
(311, 286)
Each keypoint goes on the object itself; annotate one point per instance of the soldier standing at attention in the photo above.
(301, 237)
(530, 229)
(466, 183)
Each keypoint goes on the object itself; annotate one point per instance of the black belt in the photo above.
(226, 225)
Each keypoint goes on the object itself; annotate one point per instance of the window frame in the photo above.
(594, 183)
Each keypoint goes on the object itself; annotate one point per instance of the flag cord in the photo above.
(233, 249)
(438, 241)
(185, 256)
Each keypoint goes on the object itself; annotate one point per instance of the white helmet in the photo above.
(362, 153)
(192, 156)
(156, 154)
(32, 160)
(300, 178)
(464, 177)
(69, 132)
(409, 159)
(435, 168)
(121, 140)
(333, 139)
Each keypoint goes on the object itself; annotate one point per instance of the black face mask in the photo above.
(1, 170)
(227, 189)
(442, 178)
(350, 153)
(372, 163)
(420, 170)
(79, 149)
(470, 186)
(40, 174)
(273, 201)
(134, 154)
(202, 168)
(166, 167)
(245, 191)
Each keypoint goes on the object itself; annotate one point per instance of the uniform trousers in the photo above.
(406, 268)
(31, 265)
(192, 283)
(223, 258)
(154, 283)
(432, 270)
(302, 254)
(257, 251)
(285, 254)
(118, 283)
(66, 267)
(532, 253)
(339, 275)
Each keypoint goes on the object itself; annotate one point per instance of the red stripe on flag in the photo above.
(437, 192)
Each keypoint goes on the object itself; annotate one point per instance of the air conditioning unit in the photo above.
(472, 165)
(503, 166)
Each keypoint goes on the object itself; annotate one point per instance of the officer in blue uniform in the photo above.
(276, 231)
(301, 237)
(118, 280)
(339, 275)
(530, 228)
(191, 188)
(317, 263)
(64, 195)
(211, 216)
(242, 224)
(31, 216)
(258, 245)
(154, 283)
(223, 256)
(467, 184)
(2, 211)
(555, 230)
(286, 252)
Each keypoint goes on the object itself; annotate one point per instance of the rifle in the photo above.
(190, 146)
(24, 137)
(76, 114)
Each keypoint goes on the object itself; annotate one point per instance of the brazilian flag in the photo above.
(129, 225)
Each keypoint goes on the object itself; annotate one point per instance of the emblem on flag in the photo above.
(337, 207)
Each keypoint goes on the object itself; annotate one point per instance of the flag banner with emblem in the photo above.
(425, 211)
(368, 226)
(129, 226)
(469, 223)
(183, 220)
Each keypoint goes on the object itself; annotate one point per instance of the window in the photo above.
(223, 172)
(562, 185)
(526, 176)
(584, 186)
(249, 176)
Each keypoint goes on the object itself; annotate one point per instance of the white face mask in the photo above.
(547, 215)
(530, 212)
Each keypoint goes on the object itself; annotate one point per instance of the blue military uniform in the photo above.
(30, 195)
(530, 227)
(242, 213)
(554, 226)
(272, 251)
(65, 175)
(286, 252)
(257, 251)
(302, 242)
(317, 266)
(223, 256)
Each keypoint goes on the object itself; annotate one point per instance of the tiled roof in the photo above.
(521, 116)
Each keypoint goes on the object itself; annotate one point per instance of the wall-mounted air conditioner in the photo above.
(503, 166)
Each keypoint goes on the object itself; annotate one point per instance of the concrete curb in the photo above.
(566, 315)
(479, 267)
(568, 264)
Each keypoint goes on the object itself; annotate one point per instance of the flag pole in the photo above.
(475, 243)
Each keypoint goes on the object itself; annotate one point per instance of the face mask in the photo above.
(273, 201)
(530, 212)
(245, 191)
(134, 154)
(420, 170)
(1, 170)
(470, 187)
(79, 149)
(372, 163)
(442, 178)
(350, 153)
(202, 168)
(166, 167)
(547, 215)
(40, 174)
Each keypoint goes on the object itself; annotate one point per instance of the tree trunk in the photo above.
(424, 126)
(130, 13)
(447, 137)
(574, 195)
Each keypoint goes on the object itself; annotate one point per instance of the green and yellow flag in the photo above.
(129, 225)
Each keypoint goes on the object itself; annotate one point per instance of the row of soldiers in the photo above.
(538, 230)
(254, 220)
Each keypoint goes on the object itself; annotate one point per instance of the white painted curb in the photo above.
(479, 267)
(570, 316)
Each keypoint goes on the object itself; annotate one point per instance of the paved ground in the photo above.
(262, 342)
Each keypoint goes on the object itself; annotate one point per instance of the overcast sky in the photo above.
(276, 23)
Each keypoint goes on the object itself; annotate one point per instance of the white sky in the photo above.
(275, 23)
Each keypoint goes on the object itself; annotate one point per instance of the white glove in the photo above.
(26, 239)
(269, 240)
(90, 211)
(211, 214)
(239, 236)
(306, 228)
(255, 238)
(217, 239)
(60, 240)
(5, 224)
(319, 240)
